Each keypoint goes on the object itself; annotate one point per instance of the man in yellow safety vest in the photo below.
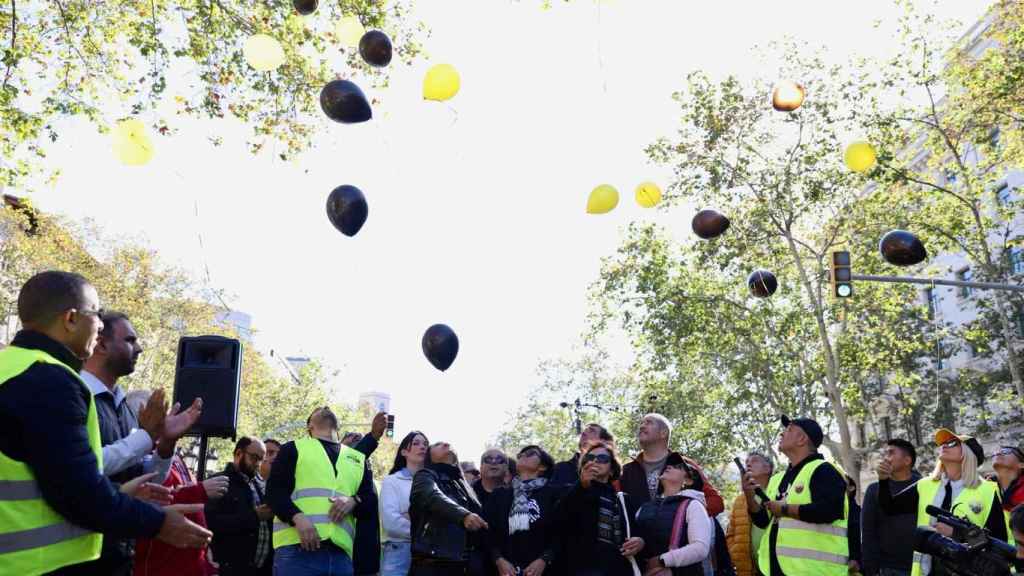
(55, 502)
(807, 514)
(317, 488)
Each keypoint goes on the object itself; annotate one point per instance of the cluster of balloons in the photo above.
(605, 198)
(859, 156)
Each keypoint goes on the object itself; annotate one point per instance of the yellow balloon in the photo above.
(263, 52)
(350, 31)
(602, 199)
(132, 145)
(441, 82)
(860, 156)
(648, 194)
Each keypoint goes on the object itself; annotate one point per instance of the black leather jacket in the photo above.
(438, 503)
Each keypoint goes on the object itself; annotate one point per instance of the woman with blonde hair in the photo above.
(954, 485)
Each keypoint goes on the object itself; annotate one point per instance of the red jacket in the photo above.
(156, 558)
(634, 483)
(1014, 494)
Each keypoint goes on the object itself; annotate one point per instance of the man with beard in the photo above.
(128, 438)
(59, 507)
(241, 520)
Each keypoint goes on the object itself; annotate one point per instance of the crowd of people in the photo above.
(91, 482)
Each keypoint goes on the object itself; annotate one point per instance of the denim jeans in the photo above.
(329, 560)
(397, 558)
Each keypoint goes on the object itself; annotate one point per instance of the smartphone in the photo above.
(743, 472)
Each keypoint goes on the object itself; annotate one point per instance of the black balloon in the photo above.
(440, 346)
(709, 224)
(902, 248)
(762, 283)
(347, 209)
(305, 7)
(375, 48)
(344, 102)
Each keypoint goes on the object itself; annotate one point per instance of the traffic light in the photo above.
(842, 275)
(391, 426)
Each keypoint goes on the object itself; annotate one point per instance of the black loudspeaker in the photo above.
(210, 367)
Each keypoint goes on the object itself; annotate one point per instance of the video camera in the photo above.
(970, 552)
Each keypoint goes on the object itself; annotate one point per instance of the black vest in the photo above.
(117, 423)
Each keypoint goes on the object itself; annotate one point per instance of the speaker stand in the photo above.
(201, 465)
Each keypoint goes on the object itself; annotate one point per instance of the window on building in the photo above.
(1016, 260)
(931, 296)
(1004, 194)
(993, 137)
(965, 275)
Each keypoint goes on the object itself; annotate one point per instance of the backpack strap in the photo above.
(678, 525)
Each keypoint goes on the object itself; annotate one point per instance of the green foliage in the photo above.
(165, 304)
(104, 61)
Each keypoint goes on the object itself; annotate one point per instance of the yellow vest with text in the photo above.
(35, 539)
(316, 481)
(974, 503)
(804, 548)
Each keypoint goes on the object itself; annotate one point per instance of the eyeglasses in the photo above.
(951, 443)
(1007, 450)
(494, 459)
(599, 458)
(99, 312)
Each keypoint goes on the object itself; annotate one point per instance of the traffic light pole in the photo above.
(938, 282)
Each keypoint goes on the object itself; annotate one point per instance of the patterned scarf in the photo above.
(525, 510)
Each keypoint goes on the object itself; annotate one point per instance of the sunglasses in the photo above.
(599, 458)
(529, 452)
(951, 443)
(494, 459)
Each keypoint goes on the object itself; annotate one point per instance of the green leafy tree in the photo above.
(105, 61)
(946, 147)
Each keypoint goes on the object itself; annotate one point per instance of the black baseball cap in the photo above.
(944, 435)
(809, 426)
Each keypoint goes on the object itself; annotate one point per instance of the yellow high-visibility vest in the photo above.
(975, 503)
(34, 538)
(316, 481)
(806, 548)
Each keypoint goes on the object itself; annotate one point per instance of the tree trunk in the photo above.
(851, 463)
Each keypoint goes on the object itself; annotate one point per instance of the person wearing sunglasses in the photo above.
(446, 517)
(493, 469)
(593, 523)
(1009, 466)
(520, 540)
(955, 485)
(640, 476)
(675, 526)
(567, 473)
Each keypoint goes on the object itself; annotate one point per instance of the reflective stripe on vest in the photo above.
(974, 503)
(802, 547)
(34, 538)
(316, 481)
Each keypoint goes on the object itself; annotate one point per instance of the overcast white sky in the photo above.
(479, 223)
